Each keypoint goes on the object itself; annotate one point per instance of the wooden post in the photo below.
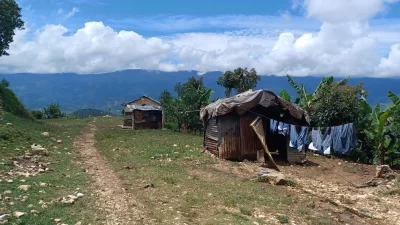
(259, 129)
(133, 119)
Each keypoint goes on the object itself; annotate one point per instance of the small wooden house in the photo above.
(143, 113)
(228, 133)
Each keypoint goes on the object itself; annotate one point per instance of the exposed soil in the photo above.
(334, 182)
(112, 198)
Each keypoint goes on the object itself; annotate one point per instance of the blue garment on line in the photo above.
(273, 126)
(298, 139)
(283, 128)
(322, 142)
(343, 138)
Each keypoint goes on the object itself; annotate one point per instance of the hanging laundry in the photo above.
(343, 138)
(283, 128)
(273, 126)
(322, 142)
(298, 139)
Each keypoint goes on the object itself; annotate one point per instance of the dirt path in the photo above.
(119, 206)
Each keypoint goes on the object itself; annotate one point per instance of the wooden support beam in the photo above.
(259, 130)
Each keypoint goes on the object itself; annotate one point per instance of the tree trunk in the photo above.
(381, 155)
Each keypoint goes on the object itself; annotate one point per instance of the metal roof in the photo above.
(130, 108)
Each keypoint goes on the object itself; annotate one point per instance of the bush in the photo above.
(37, 114)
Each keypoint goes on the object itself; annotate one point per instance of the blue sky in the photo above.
(129, 14)
(300, 37)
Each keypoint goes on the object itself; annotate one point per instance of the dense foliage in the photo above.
(182, 112)
(240, 80)
(336, 103)
(10, 19)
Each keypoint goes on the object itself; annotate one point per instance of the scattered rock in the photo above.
(8, 192)
(34, 211)
(78, 223)
(175, 145)
(24, 187)
(18, 214)
(42, 192)
(9, 181)
(80, 195)
(384, 171)
(39, 150)
(59, 141)
(57, 220)
(43, 184)
(46, 134)
(275, 178)
(4, 218)
(30, 206)
(9, 124)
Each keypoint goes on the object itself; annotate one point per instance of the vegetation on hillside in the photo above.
(10, 102)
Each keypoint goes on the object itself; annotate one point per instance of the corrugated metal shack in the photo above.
(143, 113)
(228, 134)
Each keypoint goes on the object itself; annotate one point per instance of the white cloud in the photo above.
(60, 11)
(343, 46)
(72, 13)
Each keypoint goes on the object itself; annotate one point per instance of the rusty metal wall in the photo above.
(229, 137)
(211, 136)
(148, 125)
(142, 123)
(249, 140)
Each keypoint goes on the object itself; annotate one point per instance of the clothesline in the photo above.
(288, 123)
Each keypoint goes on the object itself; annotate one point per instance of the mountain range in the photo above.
(109, 90)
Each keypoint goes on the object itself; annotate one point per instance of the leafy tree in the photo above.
(184, 110)
(5, 82)
(10, 19)
(284, 95)
(54, 110)
(240, 79)
(305, 100)
(336, 104)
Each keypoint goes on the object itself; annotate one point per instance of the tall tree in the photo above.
(305, 99)
(240, 80)
(336, 104)
(184, 110)
(10, 19)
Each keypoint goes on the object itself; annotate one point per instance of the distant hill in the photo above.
(85, 113)
(101, 91)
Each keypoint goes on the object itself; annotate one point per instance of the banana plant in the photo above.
(380, 132)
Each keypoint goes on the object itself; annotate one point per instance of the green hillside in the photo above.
(10, 103)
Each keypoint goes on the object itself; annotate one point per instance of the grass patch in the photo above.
(65, 176)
